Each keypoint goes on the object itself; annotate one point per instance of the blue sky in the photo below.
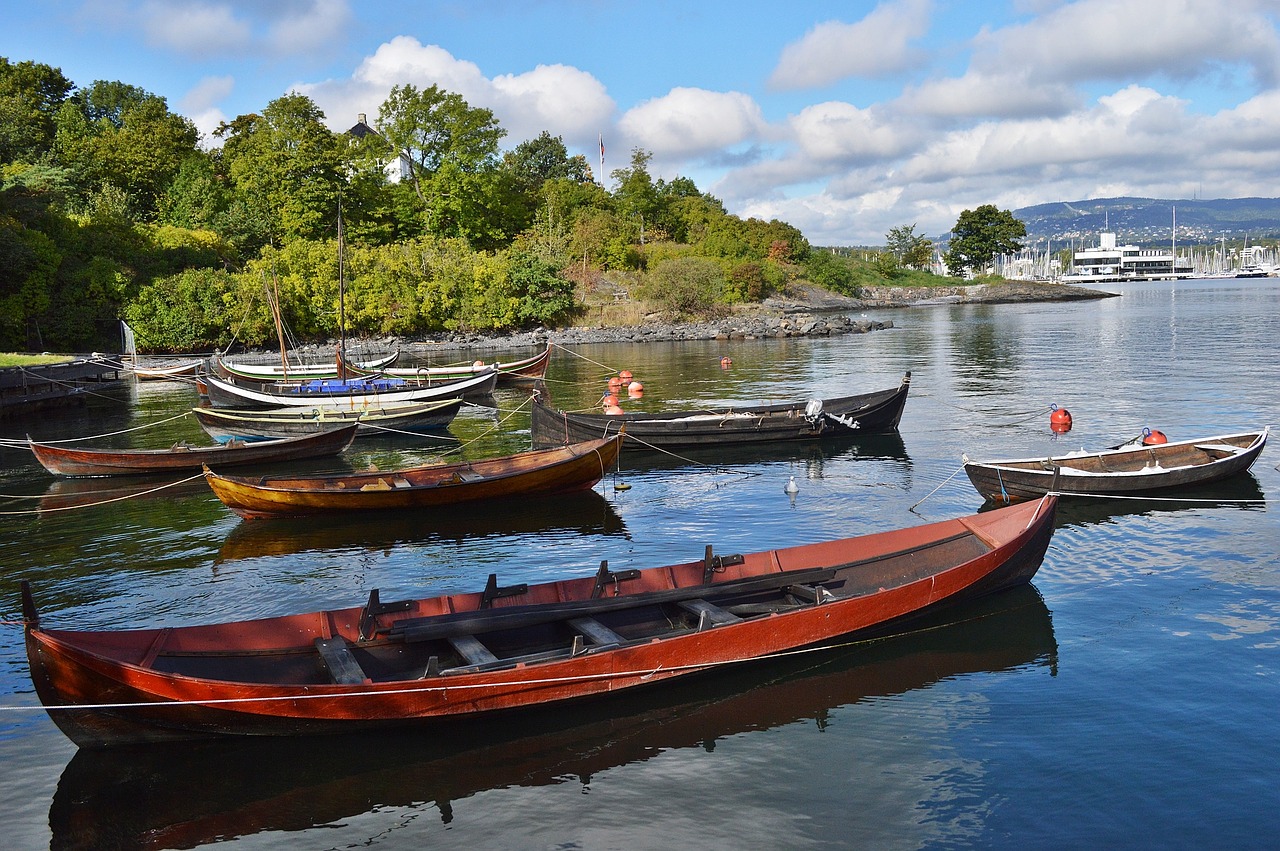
(844, 119)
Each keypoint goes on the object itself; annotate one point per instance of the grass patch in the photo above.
(10, 359)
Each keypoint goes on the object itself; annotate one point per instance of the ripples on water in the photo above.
(1122, 700)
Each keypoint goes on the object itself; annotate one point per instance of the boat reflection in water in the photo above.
(1241, 491)
(584, 512)
(160, 796)
(886, 446)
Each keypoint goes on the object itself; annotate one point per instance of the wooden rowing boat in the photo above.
(717, 427)
(564, 469)
(523, 371)
(183, 369)
(345, 394)
(65, 461)
(160, 796)
(1129, 469)
(223, 424)
(266, 373)
(467, 655)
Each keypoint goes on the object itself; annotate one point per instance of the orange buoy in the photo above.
(1060, 420)
(634, 386)
(615, 382)
(635, 394)
(726, 362)
(1152, 438)
(609, 399)
(478, 363)
(612, 410)
(625, 375)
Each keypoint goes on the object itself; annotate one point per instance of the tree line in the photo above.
(113, 206)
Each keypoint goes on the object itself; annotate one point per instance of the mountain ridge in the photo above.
(1150, 220)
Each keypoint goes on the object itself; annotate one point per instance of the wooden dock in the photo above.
(24, 389)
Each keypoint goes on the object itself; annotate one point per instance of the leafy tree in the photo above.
(685, 286)
(287, 168)
(979, 235)
(112, 134)
(636, 198)
(30, 95)
(830, 271)
(908, 248)
(445, 140)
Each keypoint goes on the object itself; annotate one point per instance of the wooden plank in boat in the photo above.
(342, 665)
(596, 631)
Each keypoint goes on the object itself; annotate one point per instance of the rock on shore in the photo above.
(804, 311)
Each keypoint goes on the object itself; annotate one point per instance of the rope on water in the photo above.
(23, 443)
(605, 366)
(644, 674)
(938, 488)
(103, 501)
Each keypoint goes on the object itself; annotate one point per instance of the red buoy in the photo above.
(609, 399)
(726, 362)
(1060, 420)
(634, 386)
(613, 410)
(615, 382)
(625, 375)
(1152, 438)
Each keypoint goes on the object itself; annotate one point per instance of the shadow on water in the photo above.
(586, 513)
(1241, 491)
(887, 446)
(186, 795)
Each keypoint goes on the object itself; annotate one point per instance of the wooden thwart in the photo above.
(342, 664)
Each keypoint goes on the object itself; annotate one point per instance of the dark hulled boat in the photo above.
(788, 421)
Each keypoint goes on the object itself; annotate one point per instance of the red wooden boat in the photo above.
(506, 648)
(566, 469)
(64, 461)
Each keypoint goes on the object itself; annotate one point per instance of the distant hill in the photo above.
(1149, 220)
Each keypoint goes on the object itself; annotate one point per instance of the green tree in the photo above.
(636, 198)
(685, 286)
(30, 95)
(287, 168)
(979, 235)
(447, 143)
(113, 134)
(909, 248)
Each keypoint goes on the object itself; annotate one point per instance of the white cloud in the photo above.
(193, 28)
(200, 104)
(1106, 40)
(878, 45)
(559, 99)
(836, 132)
(691, 123)
(311, 27)
(978, 94)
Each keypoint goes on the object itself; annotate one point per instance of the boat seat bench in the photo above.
(596, 631)
(341, 662)
(708, 613)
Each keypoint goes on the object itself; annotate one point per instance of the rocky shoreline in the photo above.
(804, 311)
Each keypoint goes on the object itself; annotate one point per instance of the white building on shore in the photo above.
(1107, 261)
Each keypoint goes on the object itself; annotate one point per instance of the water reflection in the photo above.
(163, 797)
(1241, 491)
(585, 513)
(813, 456)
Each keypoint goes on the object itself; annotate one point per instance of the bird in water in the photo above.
(791, 486)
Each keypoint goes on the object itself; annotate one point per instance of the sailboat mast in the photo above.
(342, 289)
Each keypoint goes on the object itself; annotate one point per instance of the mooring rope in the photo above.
(604, 366)
(645, 674)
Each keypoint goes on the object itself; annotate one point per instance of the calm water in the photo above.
(1128, 698)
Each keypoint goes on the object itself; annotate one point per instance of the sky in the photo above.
(842, 119)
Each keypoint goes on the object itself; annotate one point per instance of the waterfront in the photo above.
(1125, 699)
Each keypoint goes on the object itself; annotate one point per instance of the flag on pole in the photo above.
(602, 159)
